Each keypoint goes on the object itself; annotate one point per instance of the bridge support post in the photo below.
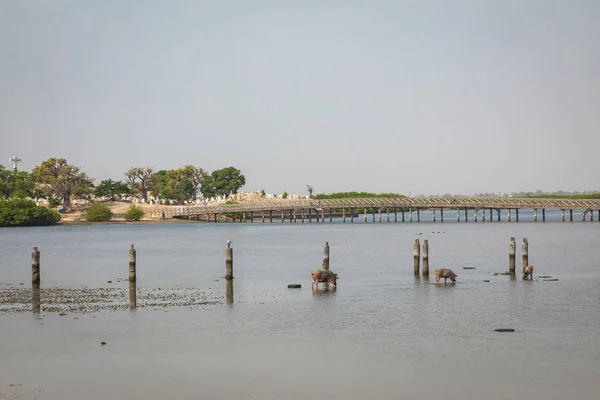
(543, 215)
(387, 210)
(263, 216)
(425, 258)
(535, 215)
(292, 216)
(282, 216)
(498, 210)
(343, 215)
(322, 215)
(509, 215)
(330, 216)
(418, 214)
(475, 215)
(295, 217)
(433, 214)
(563, 214)
(351, 215)
(416, 257)
(512, 251)
(403, 215)
(216, 219)
(491, 217)
(379, 212)
(466, 214)
(302, 215)
(441, 214)
(395, 214)
(517, 214)
(365, 214)
(373, 216)
(326, 256)
(411, 213)
(525, 252)
(458, 215)
(271, 216)
(228, 262)
(571, 215)
(251, 216)
(483, 214)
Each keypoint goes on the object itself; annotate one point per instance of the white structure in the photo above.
(15, 161)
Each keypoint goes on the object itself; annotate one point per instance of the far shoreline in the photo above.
(125, 222)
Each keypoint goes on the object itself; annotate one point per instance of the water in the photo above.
(381, 334)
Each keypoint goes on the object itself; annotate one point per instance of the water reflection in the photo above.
(132, 296)
(35, 298)
(229, 291)
(325, 292)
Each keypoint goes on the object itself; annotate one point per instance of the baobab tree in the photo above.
(310, 190)
(140, 179)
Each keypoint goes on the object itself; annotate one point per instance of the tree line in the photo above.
(60, 182)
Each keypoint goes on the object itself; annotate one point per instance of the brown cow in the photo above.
(528, 272)
(446, 274)
(325, 276)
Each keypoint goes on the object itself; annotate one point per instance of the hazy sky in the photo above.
(423, 96)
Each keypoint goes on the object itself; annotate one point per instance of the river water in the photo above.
(382, 334)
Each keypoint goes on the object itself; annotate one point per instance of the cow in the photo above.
(325, 276)
(444, 273)
(528, 272)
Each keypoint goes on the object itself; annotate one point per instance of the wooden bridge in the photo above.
(409, 208)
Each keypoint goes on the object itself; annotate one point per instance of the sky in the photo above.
(420, 97)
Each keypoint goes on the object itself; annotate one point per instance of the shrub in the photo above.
(99, 212)
(19, 212)
(134, 213)
(285, 195)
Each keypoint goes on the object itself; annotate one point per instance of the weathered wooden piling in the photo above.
(35, 298)
(563, 214)
(132, 296)
(525, 252)
(466, 216)
(326, 256)
(512, 251)
(228, 262)
(351, 215)
(535, 215)
(509, 215)
(365, 214)
(543, 215)
(517, 214)
(35, 265)
(433, 213)
(229, 291)
(132, 264)
(416, 257)
(410, 214)
(457, 215)
(425, 258)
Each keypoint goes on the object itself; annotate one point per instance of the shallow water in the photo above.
(381, 334)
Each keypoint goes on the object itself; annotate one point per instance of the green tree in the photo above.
(222, 182)
(195, 175)
(99, 212)
(134, 213)
(285, 195)
(16, 184)
(61, 181)
(162, 185)
(111, 189)
(140, 180)
(19, 212)
(184, 190)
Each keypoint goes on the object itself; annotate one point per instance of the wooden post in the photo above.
(330, 215)
(425, 258)
(344, 215)
(379, 212)
(373, 215)
(458, 215)
(512, 251)
(132, 264)
(517, 214)
(535, 215)
(303, 215)
(310, 215)
(251, 216)
(228, 262)
(491, 216)
(132, 296)
(418, 214)
(365, 214)
(416, 257)
(571, 212)
(295, 217)
(229, 291)
(563, 214)
(442, 214)
(271, 216)
(466, 216)
(498, 211)
(35, 298)
(326, 256)
(475, 215)
(395, 214)
(403, 215)
(525, 252)
(351, 215)
(282, 216)
(216, 220)
(509, 215)
(387, 210)
(543, 215)
(483, 215)
(35, 266)
(410, 215)
(433, 211)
